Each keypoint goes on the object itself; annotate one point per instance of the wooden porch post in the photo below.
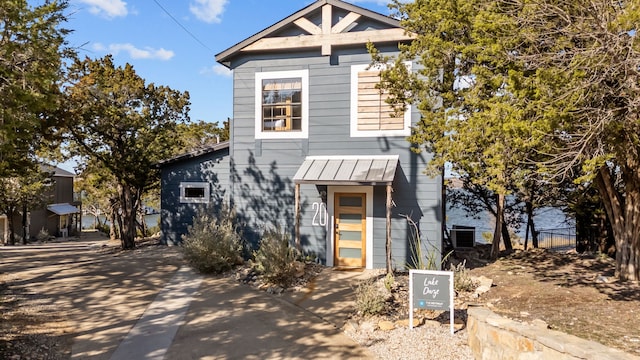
(388, 242)
(297, 220)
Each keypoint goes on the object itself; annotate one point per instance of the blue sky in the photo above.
(163, 52)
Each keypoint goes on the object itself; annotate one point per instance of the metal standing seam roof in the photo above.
(63, 209)
(347, 170)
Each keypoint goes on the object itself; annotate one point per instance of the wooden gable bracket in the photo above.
(328, 35)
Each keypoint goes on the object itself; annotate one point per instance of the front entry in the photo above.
(350, 229)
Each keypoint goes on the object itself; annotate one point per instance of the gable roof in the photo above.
(321, 36)
(56, 171)
(195, 153)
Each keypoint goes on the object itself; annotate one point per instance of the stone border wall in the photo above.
(494, 337)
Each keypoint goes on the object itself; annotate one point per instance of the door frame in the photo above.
(330, 248)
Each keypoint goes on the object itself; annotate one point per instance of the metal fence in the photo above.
(557, 239)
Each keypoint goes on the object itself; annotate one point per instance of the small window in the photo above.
(194, 192)
(282, 104)
(370, 113)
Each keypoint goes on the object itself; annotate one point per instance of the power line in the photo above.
(183, 27)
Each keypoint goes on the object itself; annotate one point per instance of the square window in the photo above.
(282, 104)
(371, 115)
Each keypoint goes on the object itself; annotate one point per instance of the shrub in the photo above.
(370, 299)
(275, 258)
(43, 235)
(423, 255)
(103, 228)
(213, 244)
(389, 282)
(462, 281)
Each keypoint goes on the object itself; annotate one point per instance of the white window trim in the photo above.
(406, 131)
(189, 185)
(331, 194)
(304, 132)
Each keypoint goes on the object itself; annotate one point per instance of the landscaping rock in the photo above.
(386, 325)
(367, 326)
(485, 285)
(405, 322)
(432, 323)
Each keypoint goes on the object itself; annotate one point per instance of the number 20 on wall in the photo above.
(320, 214)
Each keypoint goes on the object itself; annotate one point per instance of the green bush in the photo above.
(103, 228)
(43, 235)
(213, 244)
(370, 299)
(275, 258)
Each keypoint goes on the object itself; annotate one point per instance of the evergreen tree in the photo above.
(121, 124)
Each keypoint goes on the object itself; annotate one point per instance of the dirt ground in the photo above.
(46, 296)
(573, 293)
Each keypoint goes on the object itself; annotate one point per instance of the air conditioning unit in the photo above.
(463, 236)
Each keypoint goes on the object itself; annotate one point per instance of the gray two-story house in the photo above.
(315, 149)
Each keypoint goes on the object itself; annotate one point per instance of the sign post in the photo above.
(430, 289)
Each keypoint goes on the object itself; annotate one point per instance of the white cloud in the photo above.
(99, 47)
(108, 8)
(208, 11)
(136, 53)
(217, 70)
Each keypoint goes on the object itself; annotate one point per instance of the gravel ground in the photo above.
(418, 343)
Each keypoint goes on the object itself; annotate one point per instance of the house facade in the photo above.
(60, 214)
(189, 182)
(316, 150)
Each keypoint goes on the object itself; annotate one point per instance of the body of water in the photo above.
(544, 219)
(88, 221)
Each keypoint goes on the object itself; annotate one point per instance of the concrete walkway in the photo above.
(233, 321)
(153, 334)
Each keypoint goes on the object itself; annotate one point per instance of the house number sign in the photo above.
(319, 214)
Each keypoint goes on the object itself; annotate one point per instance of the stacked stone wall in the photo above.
(494, 337)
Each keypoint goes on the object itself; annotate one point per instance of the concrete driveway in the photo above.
(145, 304)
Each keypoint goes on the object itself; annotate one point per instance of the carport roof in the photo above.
(63, 209)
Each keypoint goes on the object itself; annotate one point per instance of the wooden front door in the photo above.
(350, 229)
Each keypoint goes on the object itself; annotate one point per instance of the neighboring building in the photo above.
(59, 217)
(315, 149)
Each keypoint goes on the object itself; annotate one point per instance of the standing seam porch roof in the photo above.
(347, 170)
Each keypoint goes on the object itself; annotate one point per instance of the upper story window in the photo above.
(371, 116)
(282, 104)
(194, 192)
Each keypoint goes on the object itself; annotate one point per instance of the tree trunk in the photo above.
(526, 234)
(506, 237)
(142, 224)
(624, 216)
(12, 232)
(128, 203)
(25, 235)
(497, 233)
(112, 223)
(531, 225)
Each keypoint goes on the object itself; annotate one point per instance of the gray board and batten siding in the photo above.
(263, 168)
(208, 166)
